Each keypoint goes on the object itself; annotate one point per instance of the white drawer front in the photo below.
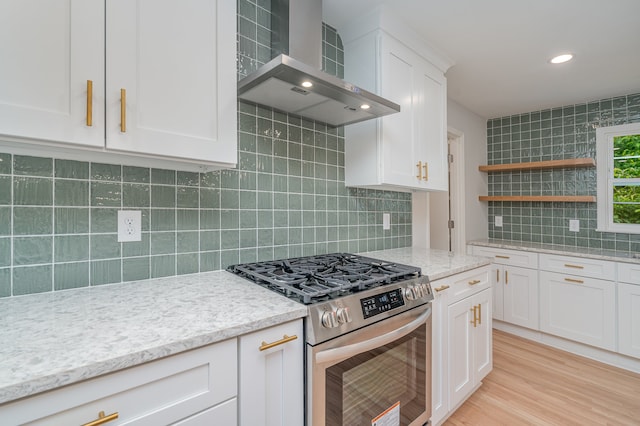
(629, 273)
(159, 392)
(466, 283)
(508, 257)
(592, 268)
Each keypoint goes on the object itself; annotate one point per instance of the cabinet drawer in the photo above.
(593, 268)
(508, 257)
(159, 392)
(629, 273)
(466, 283)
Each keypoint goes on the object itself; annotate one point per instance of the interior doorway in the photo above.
(446, 209)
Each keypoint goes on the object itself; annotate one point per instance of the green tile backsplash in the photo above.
(554, 134)
(286, 198)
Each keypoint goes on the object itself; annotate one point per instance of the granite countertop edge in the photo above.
(591, 253)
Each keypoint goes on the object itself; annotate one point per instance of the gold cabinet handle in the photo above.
(571, 280)
(123, 110)
(89, 103)
(506, 277)
(426, 171)
(474, 316)
(285, 339)
(419, 166)
(497, 275)
(568, 265)
(102, 419)
(502, 257)
(441, 288)
(480, 313)
(474, 282)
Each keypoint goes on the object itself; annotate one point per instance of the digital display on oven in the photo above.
(382, 302)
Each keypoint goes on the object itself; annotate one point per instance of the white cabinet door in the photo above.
(482, 337)
(439, 354)
(176, 61)
(403, 150)
(520, 296)
(497, 271)
(49, 50)
(225, 414)
(271, 381)
(578, 308)
(461, 330)
(629, 319)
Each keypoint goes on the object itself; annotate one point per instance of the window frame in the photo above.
(605, 183)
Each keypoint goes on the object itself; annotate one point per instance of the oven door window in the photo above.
(361, 388)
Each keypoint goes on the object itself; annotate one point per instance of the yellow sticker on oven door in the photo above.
(389, 417)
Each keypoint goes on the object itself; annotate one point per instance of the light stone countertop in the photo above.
(561, 250)
(53, 339)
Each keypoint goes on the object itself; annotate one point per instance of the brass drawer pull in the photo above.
(475, 319)
(479, 313)
(102, 419)
(419, 166)
(285, 339)
(502, 257)
(474, 282)
(123, 110)
(568, 265)
(426, 172)
(571, 280)
(441, 288)
(89, 103)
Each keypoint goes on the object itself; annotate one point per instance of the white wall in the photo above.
(474, 129)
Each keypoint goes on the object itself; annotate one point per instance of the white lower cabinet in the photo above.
(271, 376)
(201, 383)
(629, 309)
(461, 340)
(470, 345)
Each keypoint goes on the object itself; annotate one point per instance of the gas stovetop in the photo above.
(314, 279)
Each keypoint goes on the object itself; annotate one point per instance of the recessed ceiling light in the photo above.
(365, 106)
(561, 58)
(307, 84)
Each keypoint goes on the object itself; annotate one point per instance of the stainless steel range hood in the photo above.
(295, 84)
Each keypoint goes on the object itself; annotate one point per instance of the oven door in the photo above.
(377, 375)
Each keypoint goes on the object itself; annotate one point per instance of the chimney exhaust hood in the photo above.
(295, 84)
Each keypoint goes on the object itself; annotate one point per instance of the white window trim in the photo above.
(604, 161)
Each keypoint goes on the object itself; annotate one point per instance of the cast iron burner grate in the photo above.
(311, 279)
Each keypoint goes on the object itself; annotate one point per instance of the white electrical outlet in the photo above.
(129, 224)
(386, 221)
(574, 225)
(498, 221)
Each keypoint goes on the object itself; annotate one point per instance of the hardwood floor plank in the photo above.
(534, 384)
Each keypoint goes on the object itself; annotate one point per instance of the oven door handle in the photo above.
(344, 352)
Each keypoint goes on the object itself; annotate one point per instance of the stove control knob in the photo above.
(410, 293)
(329, 319)
(343, 315)
(419, 291)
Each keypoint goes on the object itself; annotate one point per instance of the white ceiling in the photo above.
(501, 48)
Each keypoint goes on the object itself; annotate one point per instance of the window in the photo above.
(618, 158)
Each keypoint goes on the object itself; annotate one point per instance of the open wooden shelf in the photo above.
(540, 165)
(547, 198)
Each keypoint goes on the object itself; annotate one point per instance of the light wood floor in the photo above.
(533, 384)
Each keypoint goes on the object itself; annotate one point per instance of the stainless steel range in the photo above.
(368, 336)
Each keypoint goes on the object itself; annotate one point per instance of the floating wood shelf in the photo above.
(540, 165)
(545, 198)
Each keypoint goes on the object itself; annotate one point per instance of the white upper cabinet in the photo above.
(49, 50)
(176, 62)
(406, 150)
(163, 77)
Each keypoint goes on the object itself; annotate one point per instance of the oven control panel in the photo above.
(382, 302)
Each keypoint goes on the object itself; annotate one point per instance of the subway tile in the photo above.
(5, 190)
(71, 193)
(106, 172)
(188, 197)
(32, 279)
(187, 242)
(106, 271)
(70, 169)
(105, 194)
(137, 268)
(188, 263)
(5, 282)
(163, 266)
(163, 196)
(163, 243)
(163, 220)
(209, 240)
(70, 275)
(5, 164)
(104, 220)
(187, 219)
(188, 178)
(136, 174)
(32, 250)
(104, 247)
(209, 261)
(32, 220)
(32, 166)
(71, 220)
(69, 248)
(163, 177)
(32, 191)
(5, 252)
(137, 248)
(136, 195)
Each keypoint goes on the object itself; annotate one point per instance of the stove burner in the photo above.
(316, 278)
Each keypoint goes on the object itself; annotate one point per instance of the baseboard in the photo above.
(597, 354)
